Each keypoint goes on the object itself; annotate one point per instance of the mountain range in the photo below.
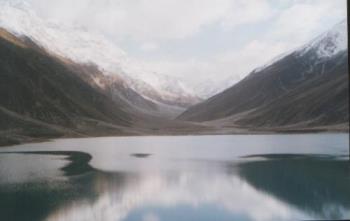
(65, 81)
(44, 96)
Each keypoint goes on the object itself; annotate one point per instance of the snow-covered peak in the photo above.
(211, 87)
(76, 44)
(272, 61)
(329, 43)
(325, 45)
(82, 46)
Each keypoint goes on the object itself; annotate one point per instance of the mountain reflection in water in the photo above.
(317, 185)
(271, 187)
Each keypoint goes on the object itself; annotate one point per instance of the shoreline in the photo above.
(11, 141)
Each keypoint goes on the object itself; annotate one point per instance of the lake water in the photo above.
(173, 178)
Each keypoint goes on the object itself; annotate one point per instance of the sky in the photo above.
(197, 40)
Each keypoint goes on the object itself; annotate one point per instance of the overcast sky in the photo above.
(197, 39)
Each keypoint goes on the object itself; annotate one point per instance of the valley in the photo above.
(70, 83)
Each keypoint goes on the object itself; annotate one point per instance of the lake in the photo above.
(173, 178)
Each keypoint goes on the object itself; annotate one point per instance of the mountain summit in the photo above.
(305, 87)
(329, 43)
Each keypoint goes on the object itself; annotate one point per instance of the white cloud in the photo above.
(304, 19)
(149, 46)
(138, 19)
(232, 66)
(247, 12)
(154, 19)
(291, 28)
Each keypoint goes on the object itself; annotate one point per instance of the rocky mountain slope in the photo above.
(308, 86)
(116, 88)
(42, 96)
(82, 46)
(47, 96)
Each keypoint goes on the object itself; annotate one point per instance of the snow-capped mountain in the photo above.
(308, 86)
(210, 87)
(170, 90)
(82, 46)
(207, 88)
(329, 43)
(322, 47)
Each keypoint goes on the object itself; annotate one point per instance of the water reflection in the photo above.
(276, 188)
(318, 185)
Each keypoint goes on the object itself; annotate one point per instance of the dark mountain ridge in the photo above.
(307, 87)
(39, 91)
(39, 86)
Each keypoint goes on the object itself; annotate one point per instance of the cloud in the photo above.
(231, 66)
(149, 46)
(138, 19)
(247, 12)
(154, 19)
(304, 19)
(287, 29)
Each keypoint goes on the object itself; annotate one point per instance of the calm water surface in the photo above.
(233, 177)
